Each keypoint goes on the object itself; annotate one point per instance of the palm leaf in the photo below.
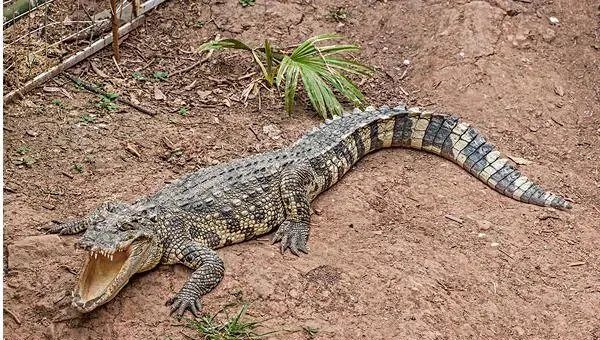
(319, 68)
(224, 43)
(269, 59)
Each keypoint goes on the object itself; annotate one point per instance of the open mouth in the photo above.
(101, 270)
(102, 276)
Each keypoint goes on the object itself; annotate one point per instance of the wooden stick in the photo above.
(14, 316)
(115, 29)
(201, 61)
(71, 61)
(136, 8)
(119, 98)
(83, 54)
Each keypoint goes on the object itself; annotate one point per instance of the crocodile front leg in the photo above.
(293, 232)
(79, 225)
(209, 272)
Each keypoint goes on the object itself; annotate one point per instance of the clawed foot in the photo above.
(293, 235)
(65, 228)
(183, 302)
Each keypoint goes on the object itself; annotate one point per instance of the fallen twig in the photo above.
(194, 65)
(119, 98)
(14, 316)
(454, 218)
(118, 67)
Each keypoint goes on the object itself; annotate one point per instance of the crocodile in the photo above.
(232, 202)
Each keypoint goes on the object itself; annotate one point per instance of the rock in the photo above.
(559, 90)
(27, 251)
(263, 288)
(272, 131)
(479, 31)
(484, 225)
(553, 20)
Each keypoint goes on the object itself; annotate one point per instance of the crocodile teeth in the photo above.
(95, 255)
(111, 257)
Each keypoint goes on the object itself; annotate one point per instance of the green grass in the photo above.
(319, 69)
(183, 111)
(232, 328)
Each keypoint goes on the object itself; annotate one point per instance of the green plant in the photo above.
(246, 3)
(183, 111)
(339, 15)
(86, 119)
(78, 167)
(107, 102)
(234, 328)
(310, 331)
(23, 149)
(79, 85)
(58, 103)
(138, 76)
(317, 67)
(160, 75)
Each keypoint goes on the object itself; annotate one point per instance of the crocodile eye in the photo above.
(124, 226)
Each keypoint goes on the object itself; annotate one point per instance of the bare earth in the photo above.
(385, 261)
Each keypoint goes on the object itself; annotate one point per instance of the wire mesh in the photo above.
(43, 36)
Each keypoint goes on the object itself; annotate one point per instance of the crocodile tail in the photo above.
(457, 141)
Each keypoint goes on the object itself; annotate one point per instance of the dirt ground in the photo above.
(385, 261)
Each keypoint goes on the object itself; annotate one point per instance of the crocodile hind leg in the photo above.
(293, 232)
(209, 272)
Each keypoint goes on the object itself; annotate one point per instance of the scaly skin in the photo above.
(234, 202)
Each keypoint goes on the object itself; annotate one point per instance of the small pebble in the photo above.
(481, 235)
(484, 225)
(553, 20)
(494, 244)
(406, 62)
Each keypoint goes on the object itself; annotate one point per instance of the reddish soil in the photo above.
(385, 262)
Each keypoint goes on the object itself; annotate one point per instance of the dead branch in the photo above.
(98, 91)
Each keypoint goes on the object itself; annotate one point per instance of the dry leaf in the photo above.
(59, 90)
(190, 86)
(203, 94)
(98, 71)
(158, 94)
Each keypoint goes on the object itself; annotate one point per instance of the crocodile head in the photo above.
(119, 243)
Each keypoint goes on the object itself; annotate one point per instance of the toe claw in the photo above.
(182, 303)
